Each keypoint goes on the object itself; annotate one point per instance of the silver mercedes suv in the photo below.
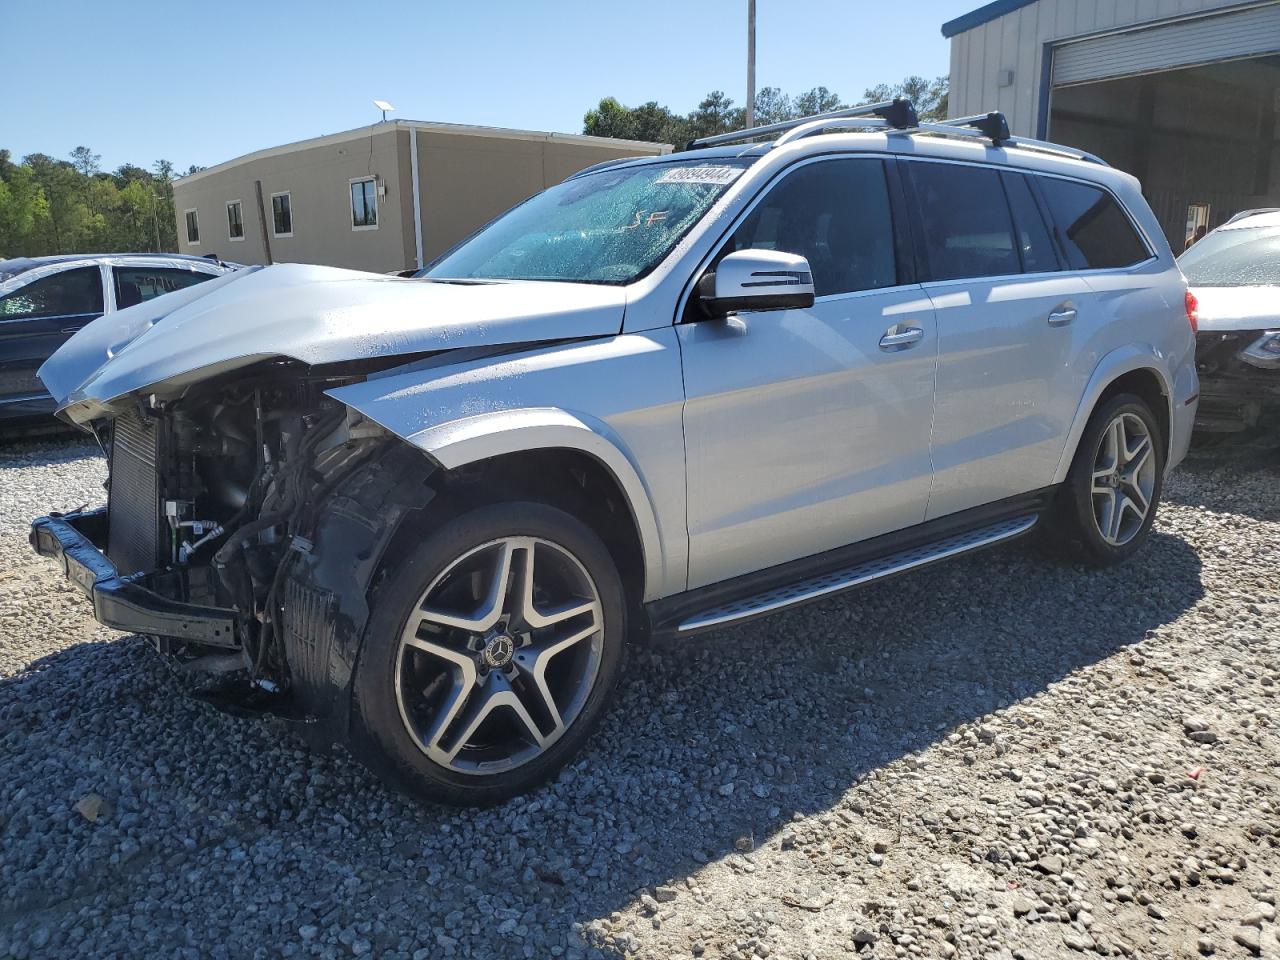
(669, 395)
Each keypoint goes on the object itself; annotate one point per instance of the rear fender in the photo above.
(1126, 359)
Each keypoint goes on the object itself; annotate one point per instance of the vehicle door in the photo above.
(1008, 320)
(36, 319)
(137, 284)
(808, 429)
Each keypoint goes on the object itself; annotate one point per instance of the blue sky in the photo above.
(205, 82)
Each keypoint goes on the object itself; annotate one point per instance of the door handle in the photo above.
(899, 337)
(1061, 316)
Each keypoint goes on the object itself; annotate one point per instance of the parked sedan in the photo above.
(1234, 273)
(44, 300)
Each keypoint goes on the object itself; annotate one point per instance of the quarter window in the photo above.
(835, 213)
(1094, 232)
(282, 214)
(965, 220)
(71, 293)
(1035, 245)
(235, 220)
(193, 226)
(364, 204)
(136, 285)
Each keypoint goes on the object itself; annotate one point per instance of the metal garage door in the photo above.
(1244, 33)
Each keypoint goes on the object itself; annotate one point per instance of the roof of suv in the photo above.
(898, 143)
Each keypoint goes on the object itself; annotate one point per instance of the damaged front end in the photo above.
(1239, 374)
(220, 504)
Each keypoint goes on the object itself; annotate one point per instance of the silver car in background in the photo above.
(666, 396)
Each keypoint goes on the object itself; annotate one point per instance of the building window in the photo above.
(364, 204)
(193, 227)
(282, 214)
(235, 220)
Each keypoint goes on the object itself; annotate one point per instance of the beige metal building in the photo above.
(386, 197)
(1184, 94)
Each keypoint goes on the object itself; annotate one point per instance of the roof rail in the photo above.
(994, 127)
(899, 114)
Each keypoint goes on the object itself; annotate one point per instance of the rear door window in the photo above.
(1034, 242)
(70, 293)
(138, 284)
(966, 227)
(1094, 232)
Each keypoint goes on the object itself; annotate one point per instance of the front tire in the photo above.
(492, 651)
(1107, 506)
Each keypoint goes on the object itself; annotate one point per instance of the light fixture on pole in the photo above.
(384, 107)
(751, 63)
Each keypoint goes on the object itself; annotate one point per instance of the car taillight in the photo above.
(1193, 311)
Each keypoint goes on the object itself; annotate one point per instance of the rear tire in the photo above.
(492, 651)
(1105, 510)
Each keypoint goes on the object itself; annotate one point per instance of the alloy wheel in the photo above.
(499, 655)
(1124, 479)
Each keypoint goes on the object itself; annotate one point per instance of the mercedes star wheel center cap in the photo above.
(497, 652)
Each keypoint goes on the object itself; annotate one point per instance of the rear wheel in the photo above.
(491, 653)
(1108, 504)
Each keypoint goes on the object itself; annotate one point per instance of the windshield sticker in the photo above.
(714, 175)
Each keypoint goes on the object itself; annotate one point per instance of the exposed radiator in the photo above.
(134, 513)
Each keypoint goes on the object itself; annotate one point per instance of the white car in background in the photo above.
(1234, 274)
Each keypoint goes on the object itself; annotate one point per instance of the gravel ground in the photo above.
(1003, 757)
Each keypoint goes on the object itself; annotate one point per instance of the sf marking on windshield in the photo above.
(656, 217)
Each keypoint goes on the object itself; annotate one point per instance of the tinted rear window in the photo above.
(1094, 232)
(1034, 242)
(966, 226)
(69, 293)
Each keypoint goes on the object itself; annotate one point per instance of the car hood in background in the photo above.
(314, 315)
(1238, 308)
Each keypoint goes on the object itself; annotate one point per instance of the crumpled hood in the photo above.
(313, 315)
(1238, 308)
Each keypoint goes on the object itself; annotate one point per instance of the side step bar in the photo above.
(803, 591)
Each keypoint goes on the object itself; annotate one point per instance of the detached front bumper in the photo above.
(125, 603)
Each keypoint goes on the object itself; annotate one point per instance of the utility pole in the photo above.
(751, 63)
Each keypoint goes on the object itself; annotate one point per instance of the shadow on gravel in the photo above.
(709, 742)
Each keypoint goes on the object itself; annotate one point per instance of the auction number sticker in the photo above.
(719, 176)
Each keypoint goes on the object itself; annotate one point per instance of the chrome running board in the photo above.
(828, 583)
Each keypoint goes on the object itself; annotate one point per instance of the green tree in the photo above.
(929, 96)
(773, 106)
(817, 100)
(85, 161)
(49, 205)
(715, 114)
(23, 210)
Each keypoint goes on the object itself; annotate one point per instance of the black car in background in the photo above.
(44, 300)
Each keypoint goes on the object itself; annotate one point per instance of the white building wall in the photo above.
(1016, 42)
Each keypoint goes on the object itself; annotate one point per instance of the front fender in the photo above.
(470, 439)
(618, 401)
(1122, 360)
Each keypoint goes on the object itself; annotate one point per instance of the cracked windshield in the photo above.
(613, 226)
